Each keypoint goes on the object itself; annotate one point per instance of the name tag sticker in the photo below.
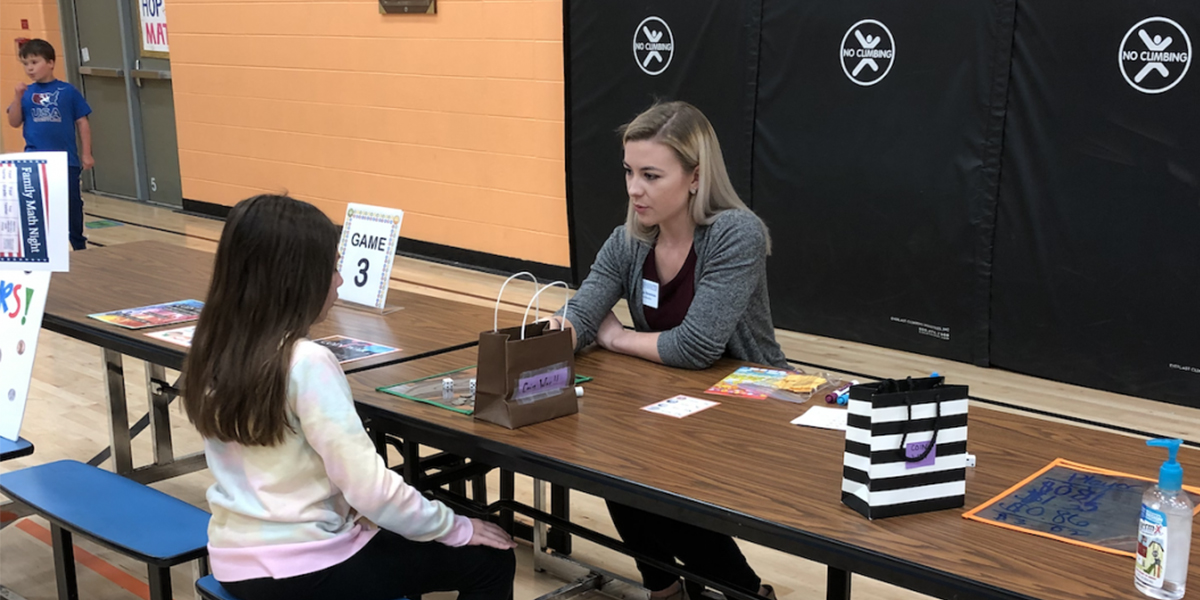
(916, 449)
(650, 293)
(542, 383)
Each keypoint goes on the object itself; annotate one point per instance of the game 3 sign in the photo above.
(1155, 54)
(368, 246)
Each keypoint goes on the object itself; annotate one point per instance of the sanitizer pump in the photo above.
(1164, 531)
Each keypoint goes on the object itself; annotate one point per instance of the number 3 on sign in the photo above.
(361, 279)
(367, 248)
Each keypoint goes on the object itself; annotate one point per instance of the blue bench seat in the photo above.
(117, 513)
(10, 449)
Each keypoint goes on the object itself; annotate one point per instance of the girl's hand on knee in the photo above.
(489, 534)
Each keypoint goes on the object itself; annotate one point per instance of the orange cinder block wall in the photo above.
(456, 118)
(42, 16)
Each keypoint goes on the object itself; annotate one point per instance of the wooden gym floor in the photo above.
(65, 418)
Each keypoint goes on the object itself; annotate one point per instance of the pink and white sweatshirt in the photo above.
(294, 508)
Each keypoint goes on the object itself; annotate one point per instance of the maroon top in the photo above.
(674, 297)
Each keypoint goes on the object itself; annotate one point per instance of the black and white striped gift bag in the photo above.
(906, 447)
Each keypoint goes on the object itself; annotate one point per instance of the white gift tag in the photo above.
(649, 293)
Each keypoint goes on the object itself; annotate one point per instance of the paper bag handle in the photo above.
(932, 441)
(566, 293)
(496, 312)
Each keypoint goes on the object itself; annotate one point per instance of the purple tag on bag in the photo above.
(916, 449)
(542, 384)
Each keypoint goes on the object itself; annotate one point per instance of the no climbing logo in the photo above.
(1155, 55)
(653, 45)
(868, 52)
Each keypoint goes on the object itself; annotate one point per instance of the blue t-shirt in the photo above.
(50, 111)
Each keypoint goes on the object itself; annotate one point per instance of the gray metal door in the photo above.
(158, 130)
(152, 73)
(102, 75)
(129, 89)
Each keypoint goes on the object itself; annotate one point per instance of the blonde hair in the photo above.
(683, 128)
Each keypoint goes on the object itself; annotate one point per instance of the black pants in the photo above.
(390, 567)
(75, 208)
(713, 555)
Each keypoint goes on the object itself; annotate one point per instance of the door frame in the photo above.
(69, 26)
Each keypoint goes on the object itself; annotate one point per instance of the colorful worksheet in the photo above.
(680, 406)
(759, 384)
(179, 337)
(348, 349)
(155, 315)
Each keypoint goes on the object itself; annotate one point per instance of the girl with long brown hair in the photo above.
(302, 506)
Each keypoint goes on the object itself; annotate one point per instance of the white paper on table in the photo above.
(33, 212)
(22, 303)
(680, 406)
(180, 337)
(823, 417)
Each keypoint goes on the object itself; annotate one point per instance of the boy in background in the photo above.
(50, 110)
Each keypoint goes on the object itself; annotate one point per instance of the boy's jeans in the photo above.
(75, 208)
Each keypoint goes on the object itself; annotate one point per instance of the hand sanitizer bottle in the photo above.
(1164, 532)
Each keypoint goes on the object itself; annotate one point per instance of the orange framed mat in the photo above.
(1074, 503)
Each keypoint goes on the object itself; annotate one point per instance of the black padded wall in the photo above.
(1006, 182)
(876, 157)
(1097, 258)
(711, 61)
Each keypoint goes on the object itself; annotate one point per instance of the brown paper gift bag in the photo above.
(526, 374)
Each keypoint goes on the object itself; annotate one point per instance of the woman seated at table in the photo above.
(691, 262)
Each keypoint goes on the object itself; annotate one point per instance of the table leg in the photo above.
(160, 415)
(560, 506)
(118, 413)
(379, 438)
(64, 563)
(200, 568)
(837, 584)
(459, 487)
(508, 491)
(539, 528)
(159, 581)
(412, 463)
(479, 491)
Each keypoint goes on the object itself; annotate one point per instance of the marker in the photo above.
(842, 394)
(832, 397)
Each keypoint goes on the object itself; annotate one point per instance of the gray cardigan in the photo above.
(730, 314)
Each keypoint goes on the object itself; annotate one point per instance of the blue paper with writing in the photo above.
(24, 209)
(1092, 508)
